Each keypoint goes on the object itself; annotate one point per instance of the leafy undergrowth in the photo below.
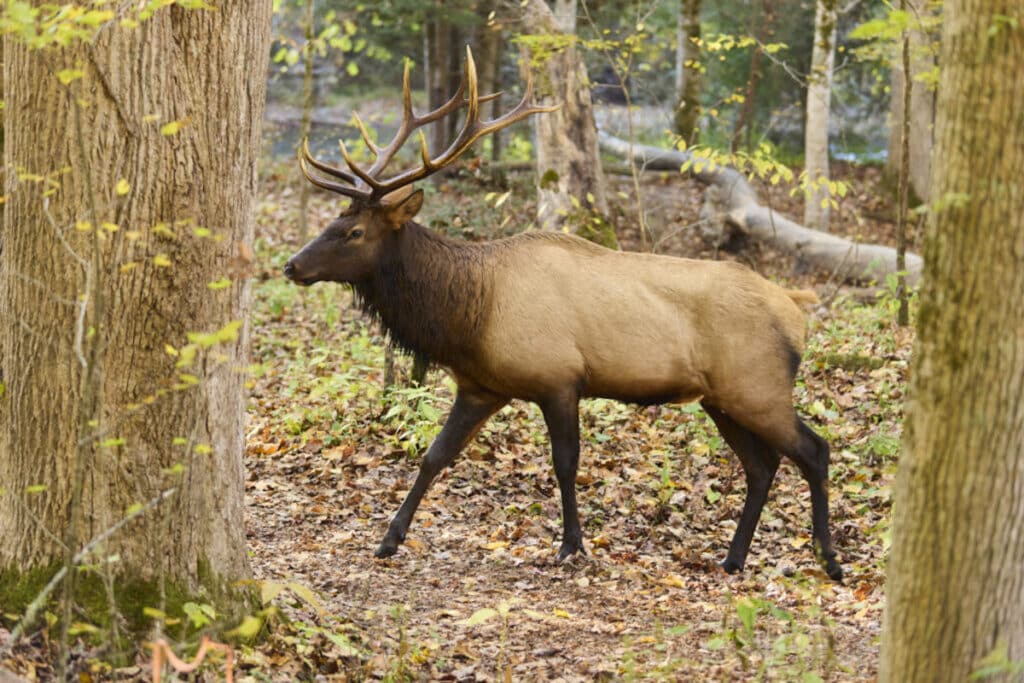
(475, 594)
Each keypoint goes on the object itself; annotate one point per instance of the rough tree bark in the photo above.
(488, 52)
(568, 159)
(819, 98)
(922, 105)
(148, 289)
(956, 573)
(437, 48)
(745, 118)
(688, 76)
(732, 202)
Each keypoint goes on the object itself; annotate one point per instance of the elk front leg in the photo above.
(562, 418)
(469, 412)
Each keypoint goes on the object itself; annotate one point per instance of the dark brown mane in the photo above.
(431, 294)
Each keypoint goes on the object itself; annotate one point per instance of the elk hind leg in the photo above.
(760, 462)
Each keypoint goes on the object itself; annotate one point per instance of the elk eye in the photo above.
(355, 234)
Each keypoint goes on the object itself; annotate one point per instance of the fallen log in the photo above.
(734, 202)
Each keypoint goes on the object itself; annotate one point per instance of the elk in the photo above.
(551, 318)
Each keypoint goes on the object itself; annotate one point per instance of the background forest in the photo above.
(198, 457)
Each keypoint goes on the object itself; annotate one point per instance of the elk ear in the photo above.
(401, 207)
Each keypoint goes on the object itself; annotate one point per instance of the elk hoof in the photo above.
(386, 549)
(834, 571)
(569, 549)
(731, 566)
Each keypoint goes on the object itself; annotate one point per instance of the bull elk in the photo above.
(551, 318)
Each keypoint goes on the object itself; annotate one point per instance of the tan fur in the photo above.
(803, 296)
(638, 327)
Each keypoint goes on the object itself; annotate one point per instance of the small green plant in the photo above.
(769, 641)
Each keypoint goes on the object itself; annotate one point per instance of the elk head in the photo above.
(351, 246)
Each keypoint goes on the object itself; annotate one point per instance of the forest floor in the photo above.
(475, 592)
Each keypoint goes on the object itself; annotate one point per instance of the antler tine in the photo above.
(366, 185)
(407, 126)
(347, 190)
(411, 122)
(363, 175)
(367, 140)
(473, 129)
(321, 166)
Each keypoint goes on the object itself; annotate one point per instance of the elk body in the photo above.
(551, 318)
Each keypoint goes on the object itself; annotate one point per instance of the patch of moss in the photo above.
(132, 598)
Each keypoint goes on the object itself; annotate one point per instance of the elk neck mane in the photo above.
(431, 293)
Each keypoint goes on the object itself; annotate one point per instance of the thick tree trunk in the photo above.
(144, 280)
(956, 574)
(733, 203)
(571, 181)
(922, 106)
(819, 98)
(688, 76)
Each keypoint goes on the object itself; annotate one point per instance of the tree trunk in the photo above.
(571, 192)
(436, 69)
(731, 203)
(95, 409)
(956, 574)
(309, 59)
(745, 118)
(488, 52)
(819, 97)
(688, 76)
(922, 106)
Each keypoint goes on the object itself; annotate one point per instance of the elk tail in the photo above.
(802, 296)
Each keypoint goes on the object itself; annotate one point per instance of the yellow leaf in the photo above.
(307, 596)
(269, 590)
(161, 261)
(673, 580)
(109, 227)
(83, 226)
(133, 235)
(130, 265)
(66, 76)
(496, 545)
(248, 629)
(150, 118)
(561, 613)
(171, 128)
(222, 283)
(481, 616)
(122, 187)
(162, 230)
(170, 350)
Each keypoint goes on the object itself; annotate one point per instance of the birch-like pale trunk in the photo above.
(819, 98)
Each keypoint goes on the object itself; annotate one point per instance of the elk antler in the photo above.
(367, 185)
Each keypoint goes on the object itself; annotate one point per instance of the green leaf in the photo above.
(35, 488)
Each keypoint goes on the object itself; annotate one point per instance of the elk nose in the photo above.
(289, 270)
